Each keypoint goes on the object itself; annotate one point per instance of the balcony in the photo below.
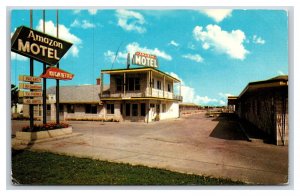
(147, 93)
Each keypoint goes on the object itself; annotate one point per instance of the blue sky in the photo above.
(215, 53)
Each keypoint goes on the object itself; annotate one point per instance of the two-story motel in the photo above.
(140, 94)
(134, 94)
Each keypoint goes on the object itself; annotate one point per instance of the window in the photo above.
(169, 88)
(164, 108)
(152, 105)
(110, 108)
(70, 108)
(158, 84)
(133, 84)
(152, 83)
(137, 84)
(157, 108)
(91, 109)
(134, 109)
(127, 109)
(119, 84)
(143, 109)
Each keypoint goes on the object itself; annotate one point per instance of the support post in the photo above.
(101, 85)
(31, 74)
(164, 87)
(124, 81)
(44, 82)
(57, 81)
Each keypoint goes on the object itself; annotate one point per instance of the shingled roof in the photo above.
(78, 93)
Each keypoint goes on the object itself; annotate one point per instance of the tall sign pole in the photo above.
(44, 80)
(57, 81)
(31, 74)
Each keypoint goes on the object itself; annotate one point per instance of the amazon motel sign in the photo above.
(39, 46)
(44, 48)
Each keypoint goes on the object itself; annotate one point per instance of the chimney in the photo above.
(98, 81)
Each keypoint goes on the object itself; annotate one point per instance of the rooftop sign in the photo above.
(39, 46)
(144, 59)
(59, 74)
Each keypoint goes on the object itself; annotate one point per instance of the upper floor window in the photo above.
(158, 84)
(133, 84)
(119, 84)
(169, 88)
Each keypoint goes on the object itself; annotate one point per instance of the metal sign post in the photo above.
(31, 124)
(57, 81)
(44, 80)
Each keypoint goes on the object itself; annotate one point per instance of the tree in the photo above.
(14, 95)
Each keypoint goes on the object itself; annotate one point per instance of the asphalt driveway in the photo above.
(194, 144)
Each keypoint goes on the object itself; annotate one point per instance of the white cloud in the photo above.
(193, 57)
(64, 33)
(92, 11)
(258, 40)
(217, 14)
(225, 95)
(17, 57)
(85, 24)
(230, 43)
(135, 47)
(131, 21)
(189, 95)
(111, 56)
(173, 43)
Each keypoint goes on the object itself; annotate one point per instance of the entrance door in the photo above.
(143, 109)
(127, 109)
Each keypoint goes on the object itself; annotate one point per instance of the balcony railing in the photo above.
(147, 93)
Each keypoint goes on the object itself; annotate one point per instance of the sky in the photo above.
(214, 52)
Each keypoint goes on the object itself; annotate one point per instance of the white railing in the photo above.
(147, 93)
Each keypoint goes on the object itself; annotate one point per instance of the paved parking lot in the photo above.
(194, 144)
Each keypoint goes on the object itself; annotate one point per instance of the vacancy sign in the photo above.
(39, 46)
(55, 73)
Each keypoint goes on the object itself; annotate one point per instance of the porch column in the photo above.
(151, 85)
(124, 82)
(101, 85)
(164, 87)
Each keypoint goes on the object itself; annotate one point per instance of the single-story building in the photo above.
(265, 105)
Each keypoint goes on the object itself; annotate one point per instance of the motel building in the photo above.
(138, 94)
(142, 94)
(264, 104)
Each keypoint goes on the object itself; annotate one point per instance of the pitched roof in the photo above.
(78, 93)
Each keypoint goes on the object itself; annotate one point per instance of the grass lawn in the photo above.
(41, 168)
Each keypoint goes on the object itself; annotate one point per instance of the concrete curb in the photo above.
(19, 143)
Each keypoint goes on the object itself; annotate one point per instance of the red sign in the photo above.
(55, 73)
